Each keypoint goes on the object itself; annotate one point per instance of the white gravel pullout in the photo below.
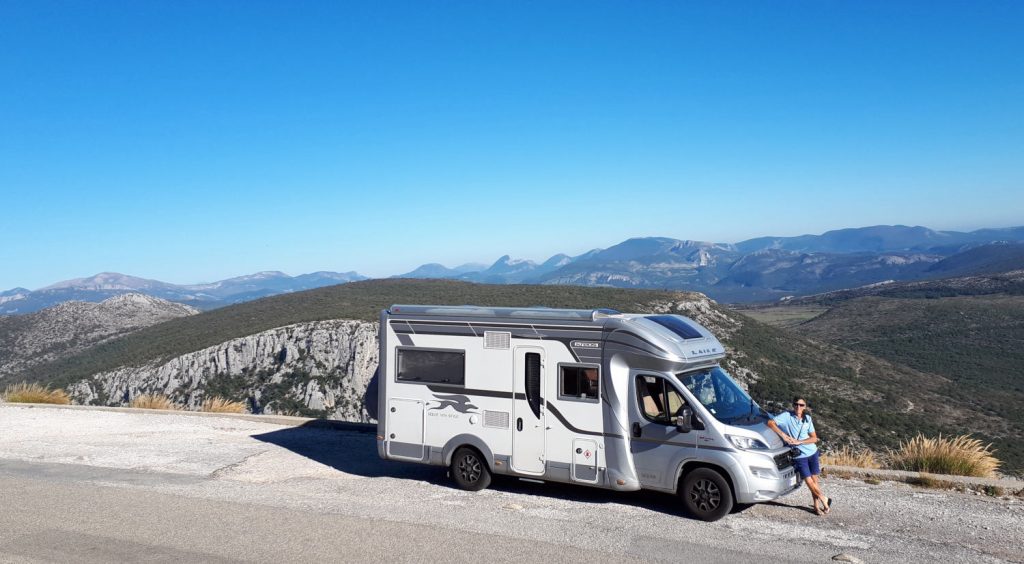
(323, 472)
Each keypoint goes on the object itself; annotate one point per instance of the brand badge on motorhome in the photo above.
(586, 344)
(457, 402)
(701, 352)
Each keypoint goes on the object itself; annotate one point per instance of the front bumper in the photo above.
(767, 489)
(764, 486)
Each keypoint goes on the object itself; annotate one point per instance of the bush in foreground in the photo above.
(961, 456)
(35, 393)
(153, 401)
(846, 456)
(221, 405)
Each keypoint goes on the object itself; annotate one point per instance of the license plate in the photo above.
(792, 479)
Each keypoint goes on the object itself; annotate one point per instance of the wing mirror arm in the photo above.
(684, 422)
(688, 421)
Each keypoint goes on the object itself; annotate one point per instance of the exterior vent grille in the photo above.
(497, 340)
(496, 419)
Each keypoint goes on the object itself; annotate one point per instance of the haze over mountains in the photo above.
(203, 296)
(764, 268)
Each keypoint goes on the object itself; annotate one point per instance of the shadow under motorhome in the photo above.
(591, 397)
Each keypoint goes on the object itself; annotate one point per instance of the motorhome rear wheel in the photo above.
(469, 470)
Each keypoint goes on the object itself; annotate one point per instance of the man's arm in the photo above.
(785, 438)
(812, 438)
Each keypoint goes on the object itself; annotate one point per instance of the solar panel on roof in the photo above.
(677, 326)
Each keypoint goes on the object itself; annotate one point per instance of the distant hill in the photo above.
(985, 259)
(72, 327)
(203, 296)
(859, 399)
(968, 330)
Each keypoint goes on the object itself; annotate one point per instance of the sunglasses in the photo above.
(800, 404)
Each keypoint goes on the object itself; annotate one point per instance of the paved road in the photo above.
(100, 486)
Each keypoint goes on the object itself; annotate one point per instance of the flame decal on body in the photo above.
(457, 402)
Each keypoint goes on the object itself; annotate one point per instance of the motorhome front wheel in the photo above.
(706, 494)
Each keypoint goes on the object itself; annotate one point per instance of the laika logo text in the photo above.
(586, 344)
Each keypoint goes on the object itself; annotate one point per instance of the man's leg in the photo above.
(812, 484)
(821, 493)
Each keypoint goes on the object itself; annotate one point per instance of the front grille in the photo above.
(784, 460)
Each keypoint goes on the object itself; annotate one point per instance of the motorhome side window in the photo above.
(578, 382)
(659, 401)
(432, 366)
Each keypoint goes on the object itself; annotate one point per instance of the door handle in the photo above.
(519, 424)
(636, 429)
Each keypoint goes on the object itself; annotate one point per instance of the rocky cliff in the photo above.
(312, 369)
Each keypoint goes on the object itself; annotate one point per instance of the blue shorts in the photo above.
(807, 466)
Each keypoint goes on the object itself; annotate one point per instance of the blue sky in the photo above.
(190, 141)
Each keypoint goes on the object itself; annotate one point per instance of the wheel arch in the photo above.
(692, 465)
(473, 441)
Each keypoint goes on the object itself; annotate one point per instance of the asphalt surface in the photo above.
(101, 486)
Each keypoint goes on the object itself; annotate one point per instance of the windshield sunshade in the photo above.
(677, 326)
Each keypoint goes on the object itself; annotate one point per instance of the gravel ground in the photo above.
(326, 476)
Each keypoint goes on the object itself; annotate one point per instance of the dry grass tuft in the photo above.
(35, 393)
(928, 481)
(221, 405)
(960, 456)
(153, 401)
(846, 456)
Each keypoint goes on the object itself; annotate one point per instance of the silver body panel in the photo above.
(601, 442)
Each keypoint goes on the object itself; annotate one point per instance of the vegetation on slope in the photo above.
(973, 341)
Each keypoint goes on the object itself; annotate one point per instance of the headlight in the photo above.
(747, 443)
(766, 473)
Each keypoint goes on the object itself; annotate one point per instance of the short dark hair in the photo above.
(798, 398)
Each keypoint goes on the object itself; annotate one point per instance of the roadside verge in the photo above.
(991, 486)
(284, 420)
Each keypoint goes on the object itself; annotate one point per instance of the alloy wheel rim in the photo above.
(469, 468)
(705, 495)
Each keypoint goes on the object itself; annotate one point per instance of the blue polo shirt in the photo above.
(798, 430)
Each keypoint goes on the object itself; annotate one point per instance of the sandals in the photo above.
(828, 506)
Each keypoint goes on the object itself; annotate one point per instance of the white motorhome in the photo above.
(591, 397)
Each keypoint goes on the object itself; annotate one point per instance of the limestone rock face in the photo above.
(320, 368)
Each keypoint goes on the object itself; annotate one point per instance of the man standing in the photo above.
(796, 429)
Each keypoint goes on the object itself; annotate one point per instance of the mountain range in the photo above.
(202, 296)
(766, 268)
(759, 269)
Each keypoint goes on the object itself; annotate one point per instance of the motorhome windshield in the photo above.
(722, 396)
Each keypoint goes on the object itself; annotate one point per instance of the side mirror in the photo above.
(684, 422)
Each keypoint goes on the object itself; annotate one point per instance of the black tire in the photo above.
(706, 494)
(470, 470)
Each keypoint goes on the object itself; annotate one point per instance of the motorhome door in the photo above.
(528, 411)
(656, 442)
